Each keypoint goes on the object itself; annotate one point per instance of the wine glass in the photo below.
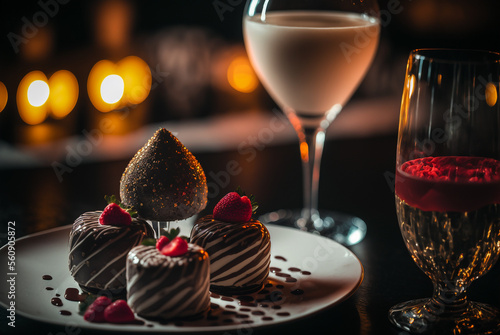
(311, 55)
(448, 185)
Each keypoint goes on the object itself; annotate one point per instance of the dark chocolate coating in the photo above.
(167, 287)
(164, 181)
(240, 253)
(98, 253)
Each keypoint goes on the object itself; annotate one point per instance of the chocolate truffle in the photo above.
(164, 181)
(240, 254)
(98, 253)
(168, 287)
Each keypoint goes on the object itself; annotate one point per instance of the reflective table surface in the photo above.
(357, 177)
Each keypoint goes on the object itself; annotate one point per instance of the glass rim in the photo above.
(456, 56)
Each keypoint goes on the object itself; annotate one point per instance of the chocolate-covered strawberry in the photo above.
(99, 242)
(164, 181)
(239, 246)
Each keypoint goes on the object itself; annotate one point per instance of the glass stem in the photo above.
(311, 149)
(448, 300)
(162, 226)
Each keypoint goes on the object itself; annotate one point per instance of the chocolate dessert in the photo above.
(98, 252)
(239, 254)
(164, 181)
(166, 287)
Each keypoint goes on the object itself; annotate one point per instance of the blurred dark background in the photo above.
(202, 88)
(189, 46)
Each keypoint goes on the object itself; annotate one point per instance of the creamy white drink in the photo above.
(311, 61)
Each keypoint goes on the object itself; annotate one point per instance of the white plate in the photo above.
(335, 273)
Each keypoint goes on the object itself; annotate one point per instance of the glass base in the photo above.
(340, 227)
(414, 317)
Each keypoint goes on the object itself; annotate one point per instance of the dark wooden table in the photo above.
(356, 175)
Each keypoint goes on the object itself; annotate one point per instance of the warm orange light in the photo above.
(304, 151)
(111, 86)
(137, 79)
(4, 96)
(241, 75)
(63, 93)
(411, 85)
(98, 73)
(32, 93)
(491, 94)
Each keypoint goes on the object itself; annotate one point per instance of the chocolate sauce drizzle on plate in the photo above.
(266, 304)
(56, 302)
(73, 294)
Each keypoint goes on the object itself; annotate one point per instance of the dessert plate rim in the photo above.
(344, 282)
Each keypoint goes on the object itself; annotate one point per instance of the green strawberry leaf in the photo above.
(113, 199)
(130, 210)
(173, 233)
(110, 199)
(149, 242)
(240, 191)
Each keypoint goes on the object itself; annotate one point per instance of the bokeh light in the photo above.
(38, 93)
(112, 88)
(491, 94)
(98, 73)
(32, 93)
(241, 75)
(4, 96)
(63, 93)
(137, 78)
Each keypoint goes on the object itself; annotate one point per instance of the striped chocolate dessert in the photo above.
(98, 253)
(239, 253)
(167, 287)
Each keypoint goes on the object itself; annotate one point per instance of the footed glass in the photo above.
(448, 186)
(311, 55)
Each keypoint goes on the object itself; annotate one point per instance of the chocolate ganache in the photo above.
(167, 287)
(98, 253)
(240, 253)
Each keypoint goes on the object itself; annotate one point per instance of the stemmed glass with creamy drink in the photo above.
(311, 55)
(448, 186)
